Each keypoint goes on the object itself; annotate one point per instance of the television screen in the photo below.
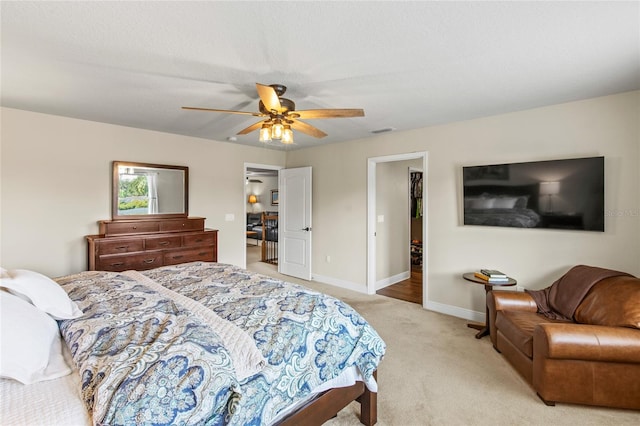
(567, 194)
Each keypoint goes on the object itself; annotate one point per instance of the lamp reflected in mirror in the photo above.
(549, 189)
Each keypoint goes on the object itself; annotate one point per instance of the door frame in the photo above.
(244, 200)
(372, 163)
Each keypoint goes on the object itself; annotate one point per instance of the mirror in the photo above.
(145, 191)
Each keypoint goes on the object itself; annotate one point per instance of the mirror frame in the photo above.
(115, 186)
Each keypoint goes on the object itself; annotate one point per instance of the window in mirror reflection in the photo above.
(144, 191)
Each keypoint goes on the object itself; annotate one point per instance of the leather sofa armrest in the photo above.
(501, 300)
(586, 342)
(512, 301)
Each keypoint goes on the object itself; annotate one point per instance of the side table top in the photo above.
(470, 276)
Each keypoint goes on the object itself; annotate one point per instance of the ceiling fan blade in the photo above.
(307, 129)
(328, 113)
(254, 126)
(255, 114)
(269, 97)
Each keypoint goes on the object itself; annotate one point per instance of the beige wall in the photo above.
(56, 175)
(606, 126)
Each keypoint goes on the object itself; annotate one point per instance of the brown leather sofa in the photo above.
(591, 357)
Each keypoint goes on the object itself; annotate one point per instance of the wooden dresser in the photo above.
(149, 243)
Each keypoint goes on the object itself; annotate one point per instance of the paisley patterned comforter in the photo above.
(147, 359)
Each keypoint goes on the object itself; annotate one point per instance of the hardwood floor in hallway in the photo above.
(409, 290)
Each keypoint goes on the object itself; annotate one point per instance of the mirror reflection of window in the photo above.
(133, 193)
(142, 190)
(152, 185)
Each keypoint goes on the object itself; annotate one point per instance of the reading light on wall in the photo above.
(549, 189)
(253, 199)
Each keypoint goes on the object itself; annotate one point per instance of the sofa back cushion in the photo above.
(612, 302)
(254, 219)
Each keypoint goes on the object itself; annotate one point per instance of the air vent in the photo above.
(385, 130)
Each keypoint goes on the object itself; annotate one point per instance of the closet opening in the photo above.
(404, 231)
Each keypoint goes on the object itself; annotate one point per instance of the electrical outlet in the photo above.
(328, 259)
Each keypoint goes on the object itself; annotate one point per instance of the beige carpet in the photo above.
(436, 373)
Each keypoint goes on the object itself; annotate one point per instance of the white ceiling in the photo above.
(407, 64)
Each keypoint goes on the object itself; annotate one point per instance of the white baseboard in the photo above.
(348, 285)
(455, 311)
(442, 308)
(393, 279)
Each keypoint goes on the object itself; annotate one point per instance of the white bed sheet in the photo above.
(49, 403)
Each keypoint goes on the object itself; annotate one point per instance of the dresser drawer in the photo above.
(202, 254)
(164, 242)
(119, 246)
(199, 239)
(190, 224)
(129, 227)
(139, 261)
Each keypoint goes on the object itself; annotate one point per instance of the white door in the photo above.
(294, 228)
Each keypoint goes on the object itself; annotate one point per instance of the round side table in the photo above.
(484, 328)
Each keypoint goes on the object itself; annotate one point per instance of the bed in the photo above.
(502, 205)
(202, 343)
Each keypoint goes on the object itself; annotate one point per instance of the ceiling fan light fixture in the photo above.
(265, 133)
(287, 135)
(278, 114)
(277, 129)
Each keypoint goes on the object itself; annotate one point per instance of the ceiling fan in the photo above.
(280, 115)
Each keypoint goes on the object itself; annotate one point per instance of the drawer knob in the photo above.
(122, 247)
(117, 264)
(148, 261)
(164, 243)
(178, 256)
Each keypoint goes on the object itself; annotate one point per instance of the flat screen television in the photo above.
(567, 194)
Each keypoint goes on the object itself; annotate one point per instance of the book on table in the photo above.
(493, 273)
(491, 279)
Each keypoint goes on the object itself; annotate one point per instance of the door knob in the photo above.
(306, 229)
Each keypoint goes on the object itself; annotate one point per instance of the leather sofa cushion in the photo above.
(518, 326)
(612, 302)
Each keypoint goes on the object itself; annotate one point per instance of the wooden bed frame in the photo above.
(329, 403)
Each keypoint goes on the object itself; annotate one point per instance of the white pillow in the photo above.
(504, 202)
(30, 343)
(482, 203)
(43, 292)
